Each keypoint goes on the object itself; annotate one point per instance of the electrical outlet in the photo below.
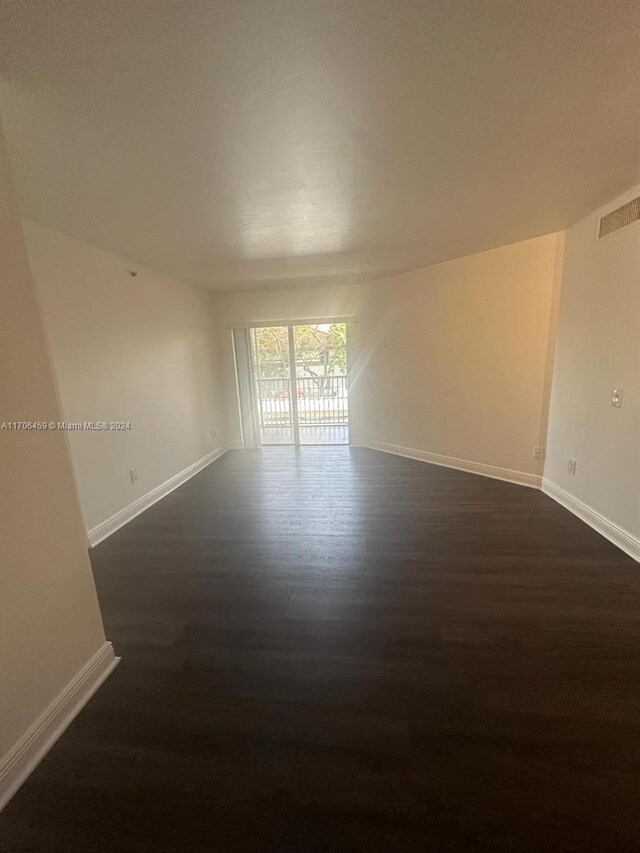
(572, 467)
(133, 473)
(214, 433)
(616, 398)
(538, 452)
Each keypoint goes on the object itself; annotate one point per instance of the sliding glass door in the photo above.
(301, 383)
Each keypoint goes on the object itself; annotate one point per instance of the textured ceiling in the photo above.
(238, 144)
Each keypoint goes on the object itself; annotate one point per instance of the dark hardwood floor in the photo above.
(340, 650)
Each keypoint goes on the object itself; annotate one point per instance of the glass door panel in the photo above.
(272, 372)
(320, 376)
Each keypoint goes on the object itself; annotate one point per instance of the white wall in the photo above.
(137, 349)
(457, 355)
(452, 359)
(50, 624)
(598, 349)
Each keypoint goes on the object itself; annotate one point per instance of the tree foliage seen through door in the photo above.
(321, 350)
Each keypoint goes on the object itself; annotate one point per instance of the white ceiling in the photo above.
(245, 143)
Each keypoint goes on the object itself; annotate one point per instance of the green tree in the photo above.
(271, 351)
(321, 351)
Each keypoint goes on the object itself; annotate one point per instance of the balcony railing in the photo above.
(322, 400)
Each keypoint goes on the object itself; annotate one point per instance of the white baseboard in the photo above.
(124, 516)
(27, 753)
(626, 541)
(521, 478)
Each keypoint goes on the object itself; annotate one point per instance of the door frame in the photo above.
(293, 379)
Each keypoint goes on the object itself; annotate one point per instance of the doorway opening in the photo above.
(300, 383)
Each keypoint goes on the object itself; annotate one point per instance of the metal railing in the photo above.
(322, 400)
(273, 402)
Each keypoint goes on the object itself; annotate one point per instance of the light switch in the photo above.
(616, 397)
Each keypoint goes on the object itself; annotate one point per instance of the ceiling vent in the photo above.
(624, 215)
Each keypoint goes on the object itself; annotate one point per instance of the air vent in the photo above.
(625, 215)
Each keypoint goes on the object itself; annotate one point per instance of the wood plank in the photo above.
(337, 649)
